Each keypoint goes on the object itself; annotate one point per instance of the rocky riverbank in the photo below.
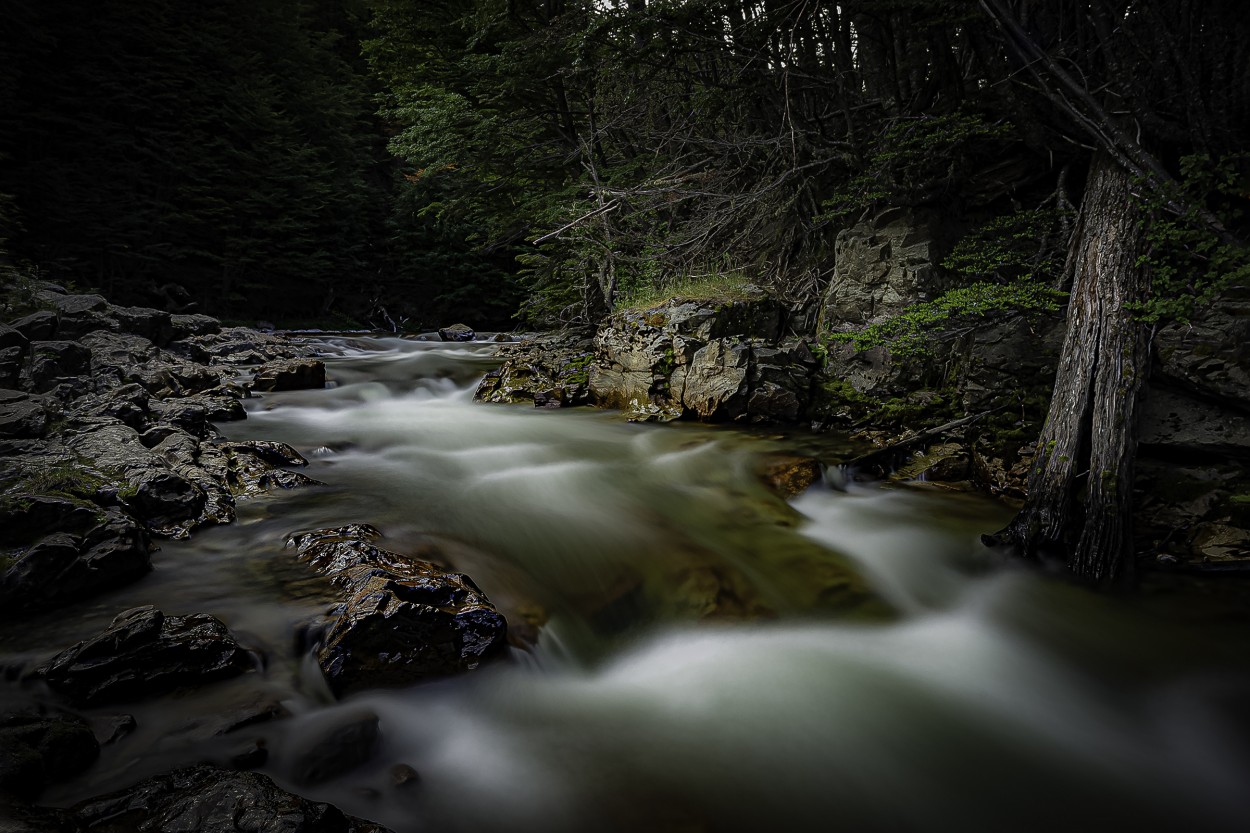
(964, 412)
(109, 445)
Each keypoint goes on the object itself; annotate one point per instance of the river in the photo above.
(691, 652)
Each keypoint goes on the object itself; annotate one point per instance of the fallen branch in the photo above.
(883, 457)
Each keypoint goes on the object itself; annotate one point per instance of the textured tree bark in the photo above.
(1079, 505)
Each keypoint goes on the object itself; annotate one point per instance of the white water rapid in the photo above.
(693, 667)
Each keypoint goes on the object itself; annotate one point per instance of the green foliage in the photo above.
(1009, 265)
(1025, 244)
(911, 332)
(1189, 263)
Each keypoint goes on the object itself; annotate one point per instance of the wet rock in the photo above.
(41, 749)
(457, 332)
(552, 371)
(209, 800)
(403, 620)
(166, 501)
(329, 751)
(399, 631)
(38, 326)
(52, 362)
(144, 653)
(127, 404)
(79, 314)
(291, 374)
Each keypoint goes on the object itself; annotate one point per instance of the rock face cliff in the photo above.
(703, 360)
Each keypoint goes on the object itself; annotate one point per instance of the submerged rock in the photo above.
(144, 653)
(209, 800)
(40, 749)
(403, 620)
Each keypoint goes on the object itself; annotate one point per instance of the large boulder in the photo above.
(457, 332)
(403, 620)
(169, 503)
(144, 653)
(704, 360)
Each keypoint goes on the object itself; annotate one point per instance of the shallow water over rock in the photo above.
(690, 651)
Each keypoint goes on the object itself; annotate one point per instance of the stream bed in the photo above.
(690, 652)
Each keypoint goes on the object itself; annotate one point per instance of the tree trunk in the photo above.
(1090, 437)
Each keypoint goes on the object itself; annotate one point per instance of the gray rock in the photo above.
(34, 515)
(1176, 422)
(715, 384)
(881, 266)
(144, 653)
(550, 371)
(152, 324)
(12, 360)
(167, 502)
(290, 374)
(10, 337)
(1211, 356)
(238, 346)
(38, 326)
(185, 326)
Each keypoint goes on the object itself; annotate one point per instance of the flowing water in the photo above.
(691, 652)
